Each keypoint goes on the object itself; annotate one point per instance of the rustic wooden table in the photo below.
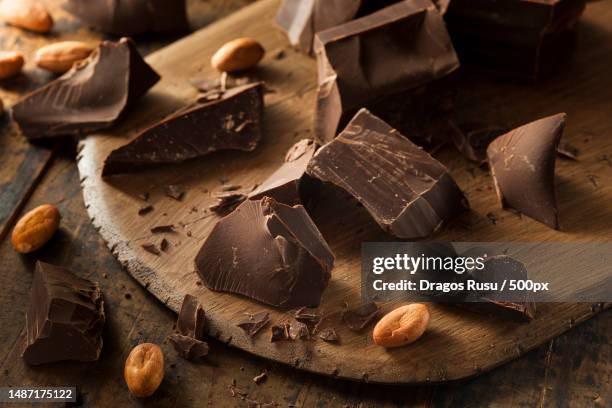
(572, 370)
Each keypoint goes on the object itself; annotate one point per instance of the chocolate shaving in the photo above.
(329, 335)
(164, 245)
(174, 191)
(357, 319)
(254, 323)
(307, 316)
(568, 151)
(151, 248)
(258, 379)
(145, 209)
(162, 228)
(227, 201)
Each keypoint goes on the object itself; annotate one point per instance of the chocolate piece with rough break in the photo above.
(187, 341)
(298, 331)
(357, 319)
(233, 122)
(269, 252)
(279, 332)
(188, 347)
(131, 17)
(290, 184)
(65, 317)
(407, 192)
(329, 335)
(301, 19)
(89, 97)
(522, 164)
(400, 47)
(254, 323)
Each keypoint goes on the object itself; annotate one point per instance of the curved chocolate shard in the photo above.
(400, 47)
(131, 17)
(290, 184)
(522, 164)
(301, 19)
(269, 252)
(191, 318)
(89, 97)
(232, 122)
(407, 192)
(65, 317)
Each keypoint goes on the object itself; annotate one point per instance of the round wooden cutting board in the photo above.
(458, 344)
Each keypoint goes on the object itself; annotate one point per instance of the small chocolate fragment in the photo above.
(175, 192)
(357, 319)
(89, 97)
(298, 331)
(307, 316)
(522, 164)
(523, 39)
(302, 19)
(151, 248)
(227, 201)
(254, 323)
(145, 209)
(329, 335)
(188, 347)
(162, 228)
(290, 184)
(258, 379)
(164, 245)
(65, 317)
(407, 192)
(279, 332)
(232, 122)
(400, 47)
(269, 252)
(131, 17)
(472, 142)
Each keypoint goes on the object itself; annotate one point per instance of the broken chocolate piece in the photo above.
(227, 201)
(191, 319)
(524, 39)
(400, 47)
(232, 122)
(254, 323)
(279, 332)
(290, 184)
(407, 192)
(89, 97)
(307, 316)
(298, 331)
(151, 248)
(302, 19)
(175, 192)
(522, 164)
(357, 319)
(474, 140)
(145, 209)
(131, 17)
(568, 151)
(329, 335)
(65, 317)
(162, 228)
(269, 252)
(164, 245)
(188, 347)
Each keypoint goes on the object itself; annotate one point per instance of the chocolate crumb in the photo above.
(162, 228)
(144, 196)
(329, 335)
(492, 217)
(298, 331)
(258, 379)
(164, 245)
(227, 201)
(128, 296)
(593, 179)
(280, 55)
(151, 248)
(175, 192)
(145, 209)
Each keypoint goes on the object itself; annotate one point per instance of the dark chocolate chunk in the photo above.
(162, 228)
(232, 122)
(269, 252)
(279, 332)
(298, 331)
(472, 140)
(357, 319)
(175, 192)
(164, 245)
(400, 47)
(89, 97)
(151, 248)
(524, 39)
(307, 316)
(522, 164)
(302, 19)
(407, 192)
(227, 201)
(329, 335)
(254, 323)
(145, 209)
(131, 17)
(65, 317)
(188, 347)
(290, 184)
(191, 319)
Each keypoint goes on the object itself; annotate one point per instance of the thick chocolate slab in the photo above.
(269, 252)
(290, 184)
(407, 192)
(522, 164)
(131, 17)
(65, 317)
(400, 47)
(232, 122)
(89, 97)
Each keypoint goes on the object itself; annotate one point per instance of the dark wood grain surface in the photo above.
(572, 370)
